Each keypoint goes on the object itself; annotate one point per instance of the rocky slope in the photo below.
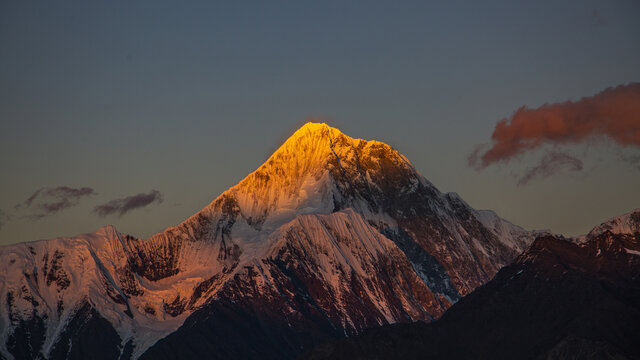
(558, 300)
(331, 235)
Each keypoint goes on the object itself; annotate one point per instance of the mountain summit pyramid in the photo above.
(331, 235)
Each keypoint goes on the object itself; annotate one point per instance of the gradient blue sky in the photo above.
(189, 97)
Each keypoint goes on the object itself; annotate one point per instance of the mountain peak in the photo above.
(315, 127)
(312, 135)
(308, 149)
(297, 177)
(628, 223)
(314, 171)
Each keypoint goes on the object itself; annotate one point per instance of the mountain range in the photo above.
(330, 236)
(558, 300)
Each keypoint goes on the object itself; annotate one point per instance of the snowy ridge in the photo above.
(346, 224)
(51, 279)
(338, 252)
(628, 224)
(344, 249)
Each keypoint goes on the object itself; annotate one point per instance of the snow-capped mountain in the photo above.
(329, 236)
(627, 224)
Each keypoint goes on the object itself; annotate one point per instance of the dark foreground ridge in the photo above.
(558, 300)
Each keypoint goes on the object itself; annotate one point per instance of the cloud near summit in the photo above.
(612, 114)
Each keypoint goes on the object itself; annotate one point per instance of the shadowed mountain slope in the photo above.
(558, 300)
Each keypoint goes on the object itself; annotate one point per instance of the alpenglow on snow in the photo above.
(331, 235)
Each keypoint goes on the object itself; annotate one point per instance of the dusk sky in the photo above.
(139, 113)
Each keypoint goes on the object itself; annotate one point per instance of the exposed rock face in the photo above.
(558, 300)
(331, 235)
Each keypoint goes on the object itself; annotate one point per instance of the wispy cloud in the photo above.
(124, 205)
(549, 164)
(48, 201)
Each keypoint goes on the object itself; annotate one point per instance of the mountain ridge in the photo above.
(400, 251)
